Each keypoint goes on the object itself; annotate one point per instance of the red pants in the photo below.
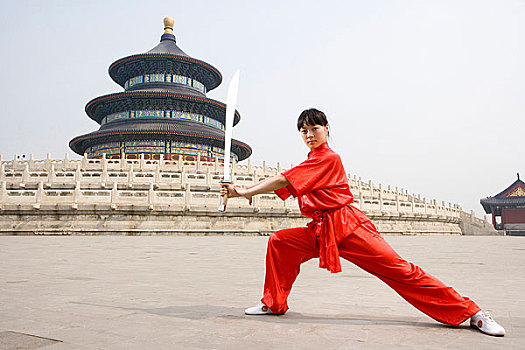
(288, 249)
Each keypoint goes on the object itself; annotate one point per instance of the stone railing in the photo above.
(472, 225)
(139, 196)
(154, 196)
(175, 184)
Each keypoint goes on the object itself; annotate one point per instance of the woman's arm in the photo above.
(269, 185)
(266, 186)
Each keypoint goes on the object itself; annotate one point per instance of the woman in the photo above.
(338, 229)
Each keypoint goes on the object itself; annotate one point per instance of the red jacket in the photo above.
(321, 186)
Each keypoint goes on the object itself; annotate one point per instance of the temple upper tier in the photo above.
(163, 109)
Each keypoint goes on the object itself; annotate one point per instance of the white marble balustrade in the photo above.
(175, 183)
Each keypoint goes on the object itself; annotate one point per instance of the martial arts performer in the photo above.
(339, 229)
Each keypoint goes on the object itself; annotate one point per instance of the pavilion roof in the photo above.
(514, 195)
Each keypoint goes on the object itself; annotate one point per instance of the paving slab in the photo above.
(128, 292)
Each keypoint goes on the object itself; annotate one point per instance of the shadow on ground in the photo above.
(202, 312)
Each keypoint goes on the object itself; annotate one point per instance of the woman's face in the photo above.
(314, 135)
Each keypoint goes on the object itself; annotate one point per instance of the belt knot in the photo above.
(328, 252)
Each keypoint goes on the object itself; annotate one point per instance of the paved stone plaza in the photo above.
(108, 292)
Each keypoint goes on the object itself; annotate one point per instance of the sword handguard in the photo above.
(224, 198)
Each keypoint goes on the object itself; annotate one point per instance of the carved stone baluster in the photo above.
(157, 178)
(67, 161)
(76, 195)
(198, 162)
(131, 175)
(78, 174)
(187, 197)
(380, 196)
(151, 197)
(31, 161)
(105, 176)
(39, 195)
(51, 174)
(3, 191)
(25, 174)
(114, 196)
(48, 161)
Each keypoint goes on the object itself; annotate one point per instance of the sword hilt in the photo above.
(224, 197)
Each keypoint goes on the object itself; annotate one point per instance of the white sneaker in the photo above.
(259, 309)
(485, 323)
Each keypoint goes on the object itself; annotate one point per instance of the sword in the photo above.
(231, 102)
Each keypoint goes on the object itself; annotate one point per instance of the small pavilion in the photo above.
(508, 209)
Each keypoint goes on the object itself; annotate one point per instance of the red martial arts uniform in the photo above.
(339, 229)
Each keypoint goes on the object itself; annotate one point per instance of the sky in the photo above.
(426, 96)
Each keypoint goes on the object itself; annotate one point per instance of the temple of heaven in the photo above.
(162, 111)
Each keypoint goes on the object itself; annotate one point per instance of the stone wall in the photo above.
(172, 197)
(471, 225)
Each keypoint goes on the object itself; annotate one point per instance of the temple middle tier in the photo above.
(106, 108)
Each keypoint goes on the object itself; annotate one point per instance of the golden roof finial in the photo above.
(168, 25)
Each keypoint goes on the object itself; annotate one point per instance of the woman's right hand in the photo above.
(233, 191)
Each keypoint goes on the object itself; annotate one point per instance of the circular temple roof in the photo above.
(157, 128)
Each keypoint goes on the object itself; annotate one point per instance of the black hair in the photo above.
(311, 116)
